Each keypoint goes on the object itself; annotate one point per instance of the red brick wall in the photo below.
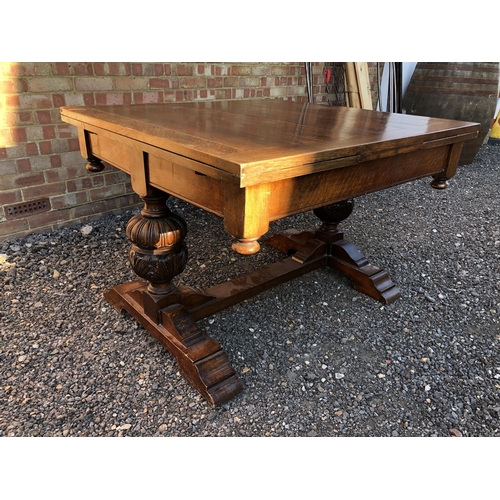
(39, 154)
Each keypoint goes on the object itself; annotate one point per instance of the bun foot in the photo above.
(246, 247)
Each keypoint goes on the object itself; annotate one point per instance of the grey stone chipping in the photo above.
(316, 357)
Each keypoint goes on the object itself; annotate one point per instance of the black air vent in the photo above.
(27, 208)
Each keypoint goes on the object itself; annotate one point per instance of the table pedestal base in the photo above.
(172, 318)
(345, 258)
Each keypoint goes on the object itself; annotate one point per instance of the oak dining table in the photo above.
(251, 162)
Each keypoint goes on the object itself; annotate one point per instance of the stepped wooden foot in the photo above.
(367, 278)
(201, 360)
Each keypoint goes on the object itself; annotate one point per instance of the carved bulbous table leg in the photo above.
(158, 254)
(331, 216)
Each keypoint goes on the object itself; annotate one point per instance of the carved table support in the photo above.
(346, 258)
(158, 253)
(341, 254)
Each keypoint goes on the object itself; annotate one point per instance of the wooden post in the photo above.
(358, 85)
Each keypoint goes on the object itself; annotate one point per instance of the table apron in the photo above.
(303, 193)
(218, 192)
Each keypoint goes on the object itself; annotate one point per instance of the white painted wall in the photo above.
(408, 69)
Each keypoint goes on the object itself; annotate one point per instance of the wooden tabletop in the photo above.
(250, 137)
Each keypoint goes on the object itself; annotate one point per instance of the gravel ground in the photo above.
(316, 357)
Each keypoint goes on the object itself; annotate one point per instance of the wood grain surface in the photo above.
(267, 138)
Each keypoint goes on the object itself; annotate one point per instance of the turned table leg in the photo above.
(158, 253)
